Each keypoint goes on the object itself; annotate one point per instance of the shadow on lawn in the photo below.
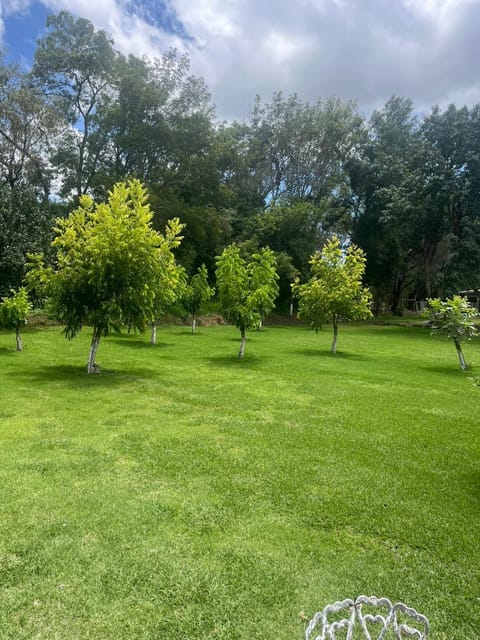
(77, 376)
(449, 370)
(248, 362)
(326, 353)
(138, 343)
(5, 351)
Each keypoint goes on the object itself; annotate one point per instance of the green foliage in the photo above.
(246, 289)
(14, 309)
(170, 277)
(111, 267)
(74, 66)
(263, 281)
(452, 317)
(25, 226)
(197, 292)
(335, 290)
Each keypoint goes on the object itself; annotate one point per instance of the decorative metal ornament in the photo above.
(347, 620)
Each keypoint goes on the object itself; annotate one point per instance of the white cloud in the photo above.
(366, 50)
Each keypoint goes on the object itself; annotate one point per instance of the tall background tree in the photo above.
(402, 186)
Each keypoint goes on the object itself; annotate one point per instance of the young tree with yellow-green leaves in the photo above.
(196, 293)
(453, 318)
(335, 291)
(111, 267)
(14, 310)
(247, 290)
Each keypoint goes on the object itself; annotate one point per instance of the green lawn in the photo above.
(186, 494)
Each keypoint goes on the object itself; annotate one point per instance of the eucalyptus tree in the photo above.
(111, 266)
(304, 147)
(74, 65)
(159, 123)
(335, 291)
(27, 125)
(245, 289)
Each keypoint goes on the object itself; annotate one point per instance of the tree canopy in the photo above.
(111, 267)
(246, 289)
(335, 291)
(454, 318)
(400, 185)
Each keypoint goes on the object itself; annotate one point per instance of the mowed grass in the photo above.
(186, 494)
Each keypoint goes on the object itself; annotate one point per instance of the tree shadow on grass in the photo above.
(326, 353)
(138, 343)
(449, 370)
(472, 481)
(72, 375)
(187, 331)
(5, 351)
(233, 361)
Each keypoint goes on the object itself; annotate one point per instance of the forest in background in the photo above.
(401, 185)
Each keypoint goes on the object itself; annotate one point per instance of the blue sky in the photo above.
(364, 50)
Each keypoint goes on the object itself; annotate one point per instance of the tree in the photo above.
(197, 292)
(25, 226)
(264, 282)
(110, 265)
(454, 318)
(74, 65)
(245, 288)
(335, 290)
(26, 126)
(304, 146)
(170, 277)
(385, 211)
(14, 311)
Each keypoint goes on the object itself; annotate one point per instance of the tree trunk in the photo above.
(153, 336)
(397, 294)
(91, 365)
(335, 334)
(193, 323)
(461, 357)
(260, 325)
(18, 339)
(243, 342)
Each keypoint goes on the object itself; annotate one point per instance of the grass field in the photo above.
(186, 494)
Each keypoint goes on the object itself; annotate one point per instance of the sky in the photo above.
(362, 50)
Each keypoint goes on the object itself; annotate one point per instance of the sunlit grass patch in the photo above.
(184, 493)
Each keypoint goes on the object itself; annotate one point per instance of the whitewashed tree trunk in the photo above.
(243, 343)
(260, 325)
(461, 357)
(153, 335)
(335, 335)
(194, 324)
(91, 365)
(18, 339)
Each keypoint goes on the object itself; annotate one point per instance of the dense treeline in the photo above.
(403, 187)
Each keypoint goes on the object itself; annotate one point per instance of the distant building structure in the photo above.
(473, 296)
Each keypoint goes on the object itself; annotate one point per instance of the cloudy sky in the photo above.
(367, 50)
